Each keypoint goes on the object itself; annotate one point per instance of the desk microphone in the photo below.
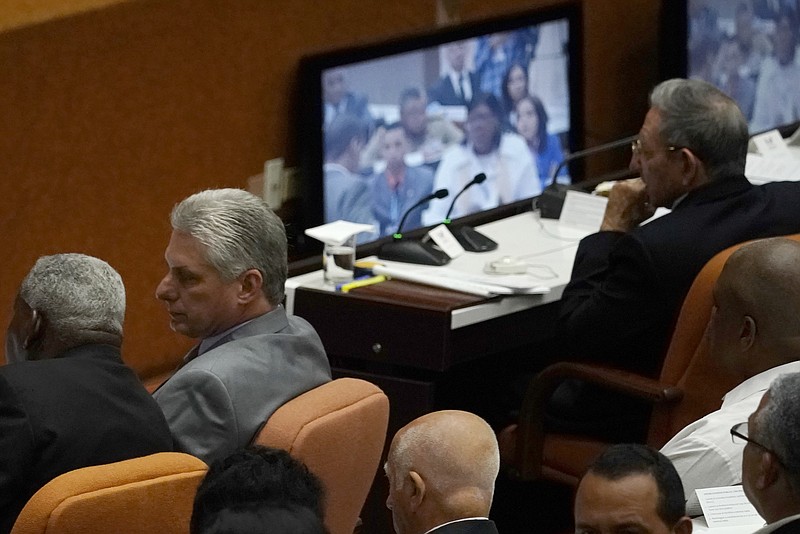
(552, 198)
(469, 238)
(408, 251)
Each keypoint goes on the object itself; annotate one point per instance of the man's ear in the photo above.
(34, 330)
(747, 334)
(417, 489)
(683, 526)
(252, 283)
(690, 166)
(768, 470)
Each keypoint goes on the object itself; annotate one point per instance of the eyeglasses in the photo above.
(636, 147)
(739, 435)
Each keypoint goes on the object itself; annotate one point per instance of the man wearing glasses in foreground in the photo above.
(771, 460)
(629, 280)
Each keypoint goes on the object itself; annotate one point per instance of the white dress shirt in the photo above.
(703, 452)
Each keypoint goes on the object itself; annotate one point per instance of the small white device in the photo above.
(506, 265)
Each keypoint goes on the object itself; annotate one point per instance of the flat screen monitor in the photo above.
(383, 126)
(747, 48)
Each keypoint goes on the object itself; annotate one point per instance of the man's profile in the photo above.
(227, 268)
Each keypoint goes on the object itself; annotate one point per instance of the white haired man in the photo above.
(66, 399)
(442, 469)
(227, 268)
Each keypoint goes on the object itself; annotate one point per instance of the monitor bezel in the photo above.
(309, 131)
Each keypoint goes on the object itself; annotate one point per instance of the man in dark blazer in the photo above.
(66, 399)
(227, 269)
(771, 456)
(457, 85)
(631, 488)
(629, 279)
(442, 469)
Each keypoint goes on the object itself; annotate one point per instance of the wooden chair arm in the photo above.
(531, 432)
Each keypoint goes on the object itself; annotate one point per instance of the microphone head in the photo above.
(441, 193)
(479, 179)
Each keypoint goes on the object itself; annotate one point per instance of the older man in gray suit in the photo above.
(227, 269)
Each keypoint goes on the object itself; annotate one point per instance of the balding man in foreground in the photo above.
(753, 333)
(441, 469)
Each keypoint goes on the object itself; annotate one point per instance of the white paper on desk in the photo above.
(727, 507)
(762, 169)
(338, 232)
(770, 144)
(583, 210)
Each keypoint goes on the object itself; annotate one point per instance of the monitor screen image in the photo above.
(386, 126)
(749, 49)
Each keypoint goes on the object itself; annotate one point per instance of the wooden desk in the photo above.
(430, 348)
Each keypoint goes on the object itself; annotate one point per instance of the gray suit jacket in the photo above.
(217, 401)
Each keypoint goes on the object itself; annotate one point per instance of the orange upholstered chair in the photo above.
(140, 496)
(338, 430)
(690, 386)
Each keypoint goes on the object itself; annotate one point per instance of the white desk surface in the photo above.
(548, 247)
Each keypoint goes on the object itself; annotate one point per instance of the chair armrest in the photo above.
(531, 432)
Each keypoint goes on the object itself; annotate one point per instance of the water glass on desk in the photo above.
(338, 261)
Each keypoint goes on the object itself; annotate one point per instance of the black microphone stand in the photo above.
(468, 237)
(413, 251)
(552, 198)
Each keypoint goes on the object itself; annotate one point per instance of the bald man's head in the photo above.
(755, 324)
(441, 467)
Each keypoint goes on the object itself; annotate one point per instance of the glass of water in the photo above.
(338, 261)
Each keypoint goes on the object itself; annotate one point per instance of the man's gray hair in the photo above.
(78, 295)
(778, 425)
(698, 116)
(240, 233)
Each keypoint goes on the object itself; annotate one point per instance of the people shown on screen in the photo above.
(339, 100)
(545, 147)
(503, 157)
(399, 186)
(347, 193)
(777, 96)
(729, 77)
(495, 53)
(458, 84)
(428, 135)
(515, 87)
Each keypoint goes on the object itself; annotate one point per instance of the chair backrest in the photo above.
(338, 430)
(687, 363)
(140, 496)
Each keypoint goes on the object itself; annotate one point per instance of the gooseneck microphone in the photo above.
(469, 238)
(440, 193)
(413, 251)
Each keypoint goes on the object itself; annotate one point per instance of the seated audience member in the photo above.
(777, 100)
(629, 280)
(495, 53)
(771, 457)
(631, 488)
(515, 88)
(399, 186)
(545, 147)
(428, 134)
(504, 158)
(68, 400)
(458, 84)
(752, 334)
(347, 193)
(339, 100)
(258, 489)
(442, 469)
(227, 268)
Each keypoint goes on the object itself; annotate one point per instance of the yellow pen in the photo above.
(361, 283)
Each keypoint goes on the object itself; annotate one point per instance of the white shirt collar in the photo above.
(758, 383)
(458, 521)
